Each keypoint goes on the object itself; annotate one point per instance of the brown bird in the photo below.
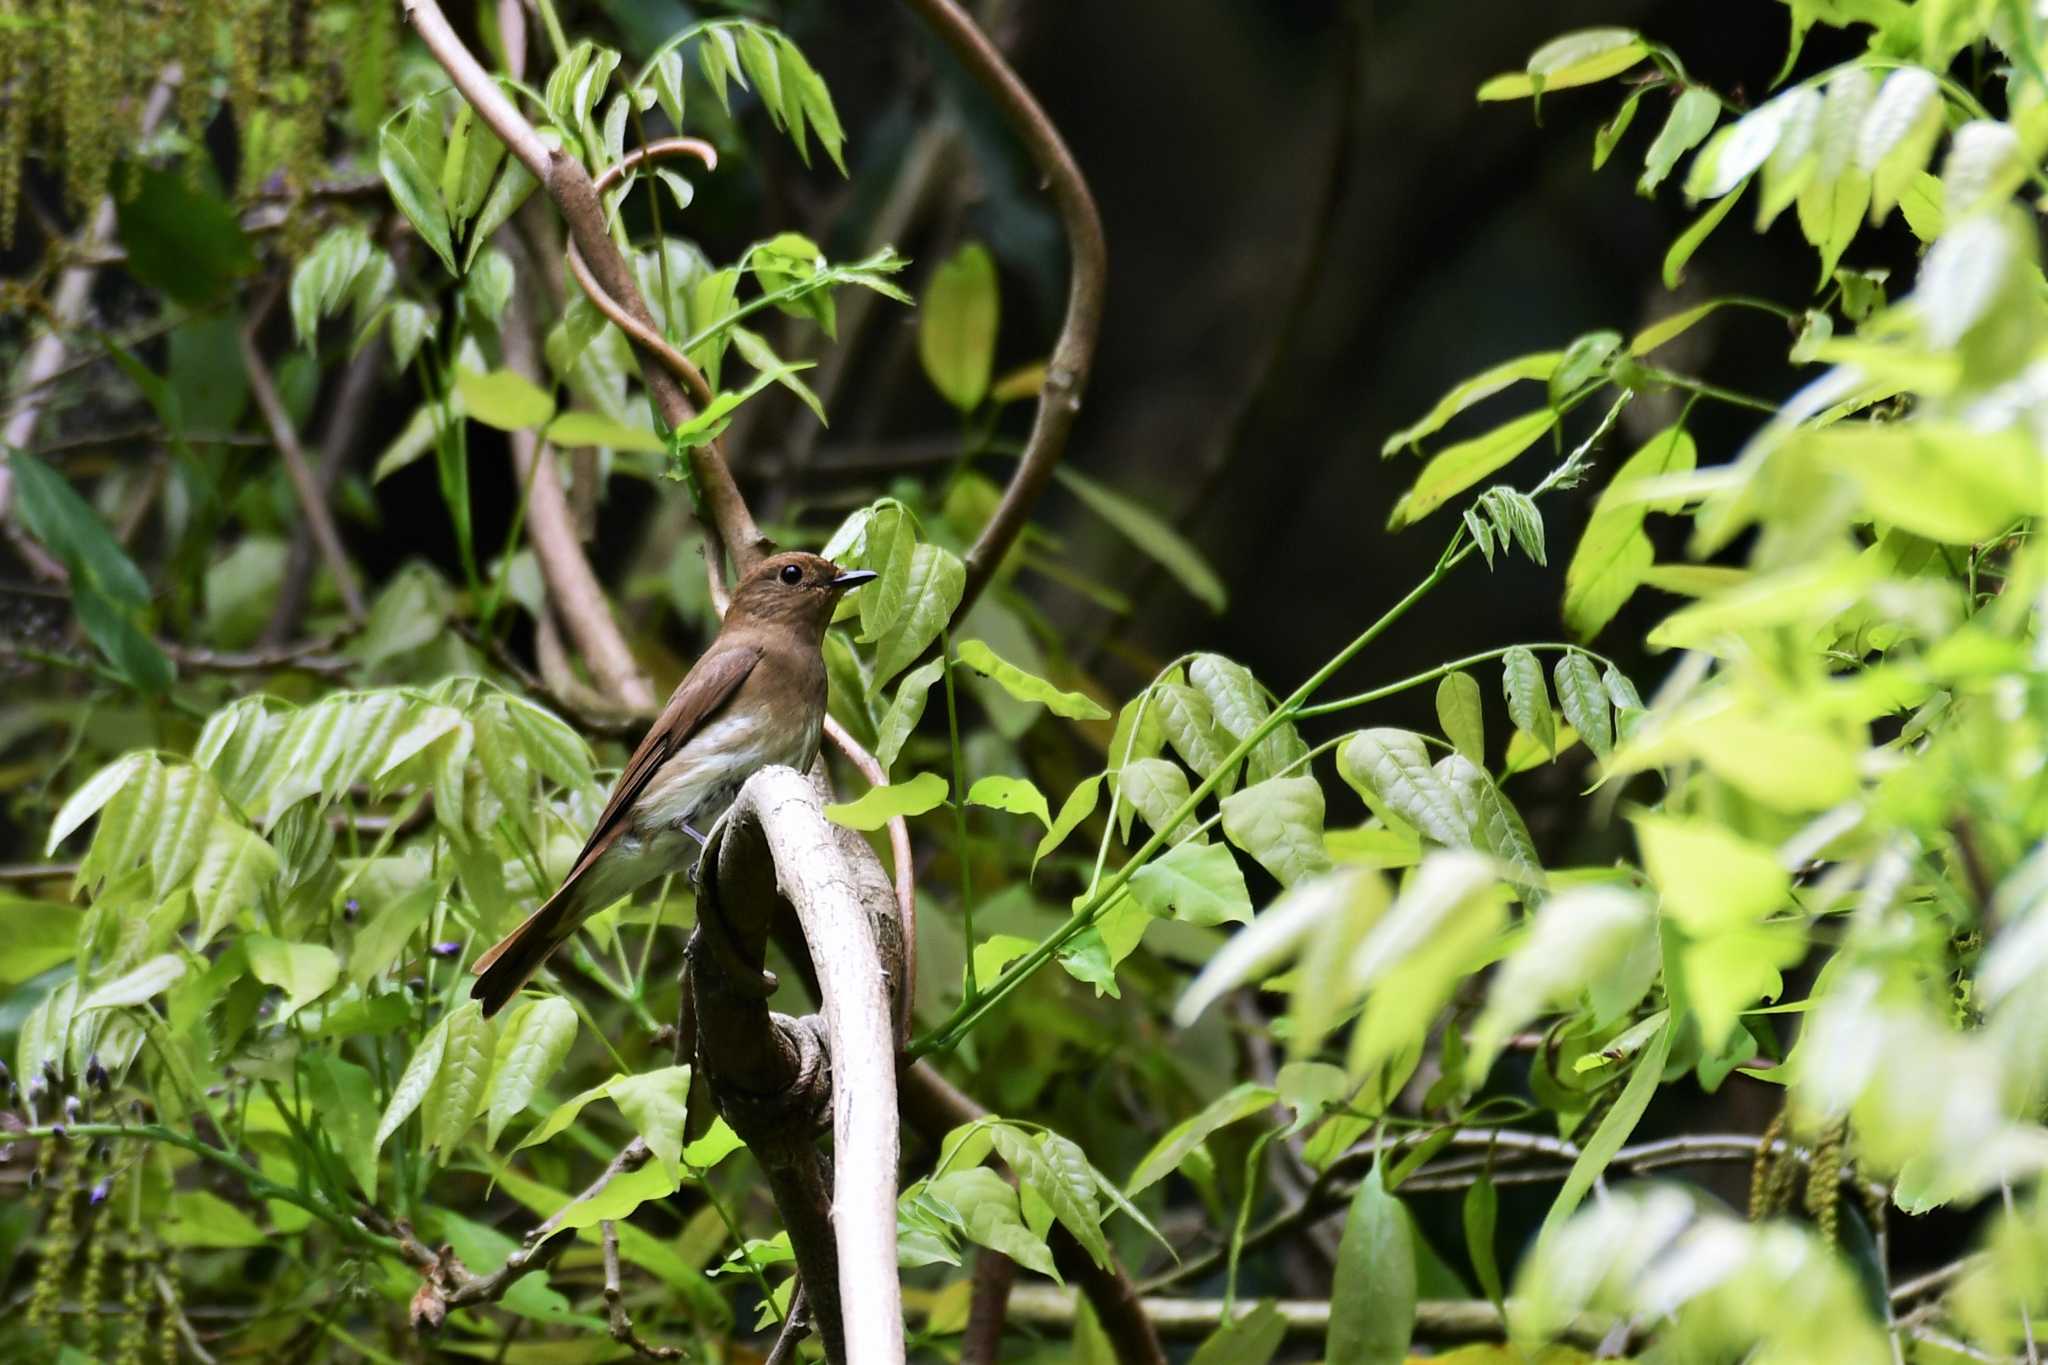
(755, 698)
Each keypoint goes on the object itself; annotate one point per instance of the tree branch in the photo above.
(312, 501)
(1194, 1319)
(344, 424)
(1066, 374)
(771, 1076)
(620, 1321)
(569, 185)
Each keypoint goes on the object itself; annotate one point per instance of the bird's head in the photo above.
(795, 589)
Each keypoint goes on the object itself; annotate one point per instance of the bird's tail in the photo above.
(501, 972)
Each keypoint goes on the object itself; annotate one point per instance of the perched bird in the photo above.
(755, 698)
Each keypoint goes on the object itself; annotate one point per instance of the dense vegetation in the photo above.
(1277, 1013)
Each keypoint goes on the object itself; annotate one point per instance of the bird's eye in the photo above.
(792, 575)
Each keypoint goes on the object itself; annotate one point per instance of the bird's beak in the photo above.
(852, 578)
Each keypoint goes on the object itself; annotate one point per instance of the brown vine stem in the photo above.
(1066, 374)
(576, 196)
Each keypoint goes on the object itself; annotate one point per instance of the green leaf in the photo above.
(1458, 467)
(503, 399)
(1610, 133)
(1898, 136)
(1239, 705)
(1155, 788)
(656, 1103)
(1735, 153)
(1026, 686)
(1372, 1300)
(1579, 58)
(1199, 883)
(198, 1219)
(102, 787)
(933, 589)
(414, 1082)
(1017, 795)
(956, 333)
(64, 522)
(1459, 712)
(1173, 1147)
(1191, 728)
(1693, 116)
(1614, 554)
(573, 430)
(1079, 805)
(303, 971)
(1391, 772)
(1528, 697)
(1056, 1171)
(1585, 938)
(531, 1049)
(416, 193)
(133, 987)
(905, 710)
(344, 1097)
(989, 1209)
(1280, 823)
(179, 237)
(134, 655)
(879, 805)
(1253, 1339)
(1614, 1130)
(887, 544)
(1151, 534)
(34, 937)
(1690, 240)
(1481, 1212)
(565, 1114)
(1585, 702)
(1668, 329)
(1479, 387)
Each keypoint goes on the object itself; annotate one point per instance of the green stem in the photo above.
(1431, 675)
(959, 804)
(1705, 390)
(970, 1012)
(557, 39)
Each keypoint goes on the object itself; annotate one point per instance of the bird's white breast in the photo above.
(701, 779)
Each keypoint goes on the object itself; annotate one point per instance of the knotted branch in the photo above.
(774, 1078)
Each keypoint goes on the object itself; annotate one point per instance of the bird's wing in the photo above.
(716, 676)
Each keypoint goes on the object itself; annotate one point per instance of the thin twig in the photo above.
(1066, 374)
(448, 1283)
(621, 1322)
(1194, 1319)
(312, 503)
(307, 656)
(168, 1294)
(988, 1307)
(352, 407)
(37, 872)
(795, 1327)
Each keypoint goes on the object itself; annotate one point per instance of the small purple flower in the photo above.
(350, 908)
(57, 1131)
(96, 1074)
(72, 1109)
(102, 1187)
(448, 949)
